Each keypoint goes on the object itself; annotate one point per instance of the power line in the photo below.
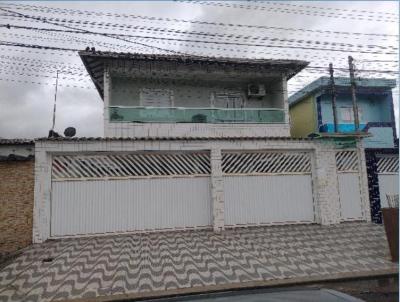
(147, 29)
(258, 52)
(86, 13)
(289, 11)
(83, 30)
(225, 43)
(77, 11)
(76, 50)
(330, 8)
(308, 42)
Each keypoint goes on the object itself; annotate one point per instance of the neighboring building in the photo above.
(193, 142)
(16, 194)
(311, 110)
(311, 113)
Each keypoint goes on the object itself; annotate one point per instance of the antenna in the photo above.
(55, 103)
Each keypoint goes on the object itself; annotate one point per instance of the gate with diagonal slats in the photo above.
(267, 187)
(388, 176)
(349, 185)
(113, 193)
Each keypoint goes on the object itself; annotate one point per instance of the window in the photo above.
(346, 114)
(228, 99)
(150, 97)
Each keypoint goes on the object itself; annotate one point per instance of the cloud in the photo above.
(26, 109)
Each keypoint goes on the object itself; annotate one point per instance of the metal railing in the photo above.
(196, 115)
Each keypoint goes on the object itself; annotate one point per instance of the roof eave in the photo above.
(289, 67)
(100, 90)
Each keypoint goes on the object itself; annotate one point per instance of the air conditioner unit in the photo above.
(256, 90)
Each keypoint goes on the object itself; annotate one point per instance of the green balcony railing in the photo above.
(196, 115)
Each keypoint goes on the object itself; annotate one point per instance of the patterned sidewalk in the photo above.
(126, 264)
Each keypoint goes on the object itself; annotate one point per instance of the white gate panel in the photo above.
(388, 184)
(103, 206)
(268, 199)
(349, 185)
(350, 197)
(388, 176)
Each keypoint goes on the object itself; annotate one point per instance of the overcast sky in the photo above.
(27, 75)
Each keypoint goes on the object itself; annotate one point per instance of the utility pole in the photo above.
(353, 94)
(333, 92)
(55, 102)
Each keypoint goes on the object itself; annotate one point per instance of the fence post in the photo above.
(217, 190)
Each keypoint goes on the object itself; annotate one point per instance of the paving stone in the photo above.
(136, 263)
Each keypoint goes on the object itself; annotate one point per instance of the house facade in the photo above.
(311, 113)
(193, 142)
(171, 96)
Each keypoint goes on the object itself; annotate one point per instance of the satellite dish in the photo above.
(70, 132)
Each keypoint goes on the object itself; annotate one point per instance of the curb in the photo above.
(243, 285)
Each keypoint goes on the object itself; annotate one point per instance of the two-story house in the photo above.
(311, 113)
(192, 142)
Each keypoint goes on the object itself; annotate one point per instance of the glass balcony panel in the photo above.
(196, 115)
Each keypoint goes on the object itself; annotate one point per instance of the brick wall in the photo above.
(16, 205)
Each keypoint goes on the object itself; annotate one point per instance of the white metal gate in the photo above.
(388, 177)
(349, 185)
(94, 194)
(267, 187)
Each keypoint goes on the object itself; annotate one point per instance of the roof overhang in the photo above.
(96, 61)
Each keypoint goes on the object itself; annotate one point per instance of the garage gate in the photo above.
(94, 194)
(267, 187)
(388, 177)
(349, 185)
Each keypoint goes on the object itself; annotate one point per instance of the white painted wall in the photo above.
(192, 93)
(195, 130)
(324, 174)
(125, 91)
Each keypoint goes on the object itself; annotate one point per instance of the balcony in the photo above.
(196, 115)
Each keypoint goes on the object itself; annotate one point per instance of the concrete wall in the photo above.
(303, 118)
(324, 175)
(125, 91)
(16, 205)
(373, 108)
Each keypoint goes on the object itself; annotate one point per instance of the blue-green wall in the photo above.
(374, 108)
(376, 114)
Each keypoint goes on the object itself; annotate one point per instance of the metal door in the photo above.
(349, 185)
(97, 194)
(267, 188)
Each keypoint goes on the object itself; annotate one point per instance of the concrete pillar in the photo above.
(42, 195)
(285, 100)
(326, 186)
(363, 176)
(217, 190)
(106, 98)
